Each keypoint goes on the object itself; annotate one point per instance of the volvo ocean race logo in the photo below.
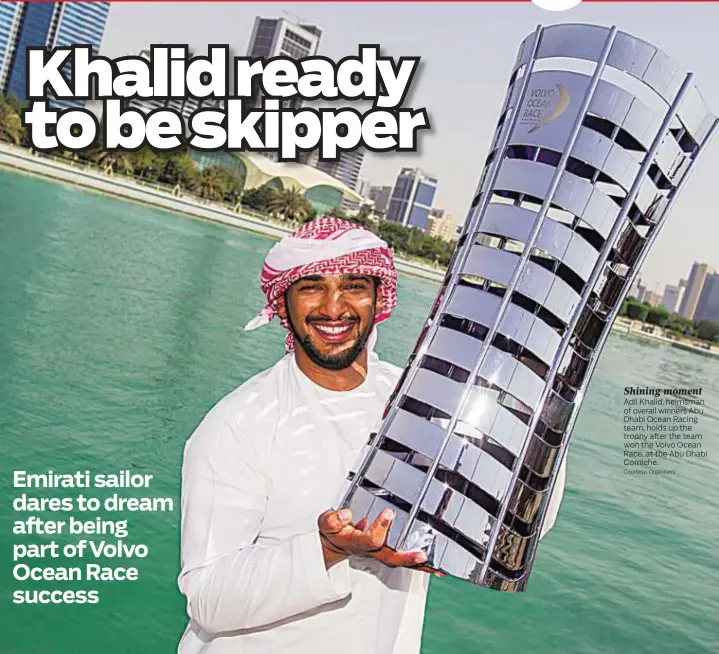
(543, 106)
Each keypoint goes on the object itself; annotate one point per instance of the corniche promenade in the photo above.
(25, 160)
(22, 159)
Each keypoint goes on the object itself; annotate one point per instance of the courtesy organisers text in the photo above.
(72, 535)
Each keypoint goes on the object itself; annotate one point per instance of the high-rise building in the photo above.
(412, 198)
(279, 37)
(652, 299)
(10, 13)
(184, 106)
(693, 291)
(441, 224)
(380, 195)
(708, 304)
(672, 297)
(49, 24)
(362, 187)
(634, 288)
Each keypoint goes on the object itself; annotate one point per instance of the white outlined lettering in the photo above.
(234, 122)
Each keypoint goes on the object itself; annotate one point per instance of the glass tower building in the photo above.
(48, 24)
(412, 198)
(10, 13)
(708, 304)
(278, 37)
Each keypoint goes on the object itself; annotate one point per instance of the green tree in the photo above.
(658, 316)
(11, 129)
(357, 219)
(179, 169)
(232, 185)
(708, 330)
(637, 310)
(259, 198)
(680, 324)
(146, 163)
(311, 214)
(364, 213)
(291, 204)
(113, 161)
(210, 184)
(395, 235)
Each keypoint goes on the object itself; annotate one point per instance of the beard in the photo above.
(338, 361)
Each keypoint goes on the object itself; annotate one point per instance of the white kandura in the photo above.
(265, 462)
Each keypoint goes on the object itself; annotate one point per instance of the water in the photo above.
(120, 327)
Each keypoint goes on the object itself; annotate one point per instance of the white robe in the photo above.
(265, 462)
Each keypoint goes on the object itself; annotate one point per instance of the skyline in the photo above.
(450, 38)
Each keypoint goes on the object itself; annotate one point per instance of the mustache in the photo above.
(352, 319)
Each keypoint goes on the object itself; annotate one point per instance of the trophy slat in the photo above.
(581, 174)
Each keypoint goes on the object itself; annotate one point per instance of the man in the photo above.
(268, 566)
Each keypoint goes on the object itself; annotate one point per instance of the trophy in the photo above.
(598, 133)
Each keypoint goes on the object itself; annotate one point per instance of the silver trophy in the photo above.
(598, 133)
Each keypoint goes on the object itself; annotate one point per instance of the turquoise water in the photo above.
(121, 325)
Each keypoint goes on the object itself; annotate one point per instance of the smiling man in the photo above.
(268, 565)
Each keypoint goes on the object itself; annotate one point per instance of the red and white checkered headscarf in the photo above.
(325, 246)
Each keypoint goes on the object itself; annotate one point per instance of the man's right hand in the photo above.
(340, 539)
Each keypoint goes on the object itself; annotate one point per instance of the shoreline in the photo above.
(621, 327)
(18, 159)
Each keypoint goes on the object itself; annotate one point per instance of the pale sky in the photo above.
(467, 52)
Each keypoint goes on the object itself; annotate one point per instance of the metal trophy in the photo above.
(586, 161)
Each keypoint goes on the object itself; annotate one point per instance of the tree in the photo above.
(16, 103)
(91, 153)
(259, 198)
(11, 128)
(357, 219)
(210, 184)
(708, 330)
(179, 169)
(364, 213)
(678, 323)
(147, 163)
(658, 316)
(395, 235)
(291, 204)
(311, 215)
(637, 310)
(112, 161)
(232, 184)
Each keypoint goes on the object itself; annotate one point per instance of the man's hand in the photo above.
(340, 539)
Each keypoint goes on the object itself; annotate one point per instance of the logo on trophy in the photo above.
(580, 177)
(543, 105)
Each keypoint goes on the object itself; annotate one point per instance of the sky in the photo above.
(467, 51)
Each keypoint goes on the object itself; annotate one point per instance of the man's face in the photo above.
(331, 316)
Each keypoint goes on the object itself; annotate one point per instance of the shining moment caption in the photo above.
(661, 426)
(230, 92)
(68, 528)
